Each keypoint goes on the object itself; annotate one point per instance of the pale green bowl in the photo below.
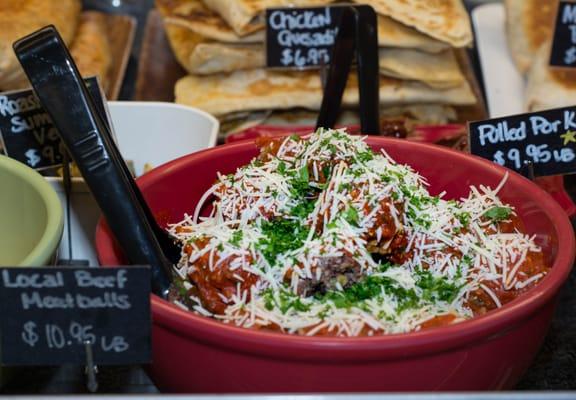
(31, 221)
(31, 216)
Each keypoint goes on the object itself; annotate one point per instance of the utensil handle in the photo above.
(357, 35)
(63, 94)
(338, 70)
(368, 68)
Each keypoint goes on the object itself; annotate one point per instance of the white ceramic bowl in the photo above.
(147, 133)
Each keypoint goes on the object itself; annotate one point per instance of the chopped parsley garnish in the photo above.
(300, 183)
(351, 216)
(281, 235)
(284, 300)
(436, 288)
(497, 214)
(303, 208)
(463, 218)
(369, 288)
(236, 238)
(365, 156)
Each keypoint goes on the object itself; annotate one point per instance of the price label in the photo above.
(563, 53)
(300, 37)
(56, 336)
(27, 131)
(547, 139)
(48, 315)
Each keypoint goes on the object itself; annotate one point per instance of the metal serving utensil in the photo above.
(63, 94)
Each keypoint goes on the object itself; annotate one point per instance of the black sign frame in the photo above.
(48, 314)
(30, 136)
(563, 48)
(544, 139)
(320, 55)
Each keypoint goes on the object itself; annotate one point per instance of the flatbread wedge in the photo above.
(199, 55)
(394, 34)
(445, 20)
(19, 18)
(529, 25)
(246, 16)
(194, 15)
(265, 89)
(549, 87)
(439, 70)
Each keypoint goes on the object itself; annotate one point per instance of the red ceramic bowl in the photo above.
(197, 354)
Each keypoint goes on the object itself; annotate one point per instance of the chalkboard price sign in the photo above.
(563, 52)
(300, 37)
(28, 133)
(547, 139)
(47, 315)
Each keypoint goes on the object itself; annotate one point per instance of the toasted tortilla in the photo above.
(194, 15)
(91, 49)
(394, 34)
(549, 87)
(529, 25)
(246, 16)
(436, 70)
(445, 20)
(199, 55)
(264, 89)
(19, 18)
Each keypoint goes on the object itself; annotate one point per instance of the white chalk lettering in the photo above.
(107, 300)
(118, 344)
(35, 300)
(9, 107)
(569, 14)
(288, 38)
(299, 20)
(565, 155)
(85, 278)
(542, 125)
(569, 123)
(572, 33)
(501, 133)
(36, 281)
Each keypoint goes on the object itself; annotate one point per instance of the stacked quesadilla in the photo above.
(85, 33)
(221, 45)
(529, 25)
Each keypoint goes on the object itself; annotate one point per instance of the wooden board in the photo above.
(121, 30)
(158, 71)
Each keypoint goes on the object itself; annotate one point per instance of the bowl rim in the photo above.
(45, 248)
(485, 327)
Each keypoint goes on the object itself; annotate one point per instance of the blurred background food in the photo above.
(529, 27)
(21, 17)
(99, 43)
(220, 46)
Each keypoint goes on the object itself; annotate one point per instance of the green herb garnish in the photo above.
(281, 235)
(497, 213)
(436, 288)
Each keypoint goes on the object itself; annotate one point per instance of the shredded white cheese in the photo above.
(297, 232)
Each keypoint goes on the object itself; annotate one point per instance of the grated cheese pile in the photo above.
(324, 236)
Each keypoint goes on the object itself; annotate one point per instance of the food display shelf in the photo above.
(551, 376)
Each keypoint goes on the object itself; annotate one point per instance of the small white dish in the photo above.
(146, 133)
